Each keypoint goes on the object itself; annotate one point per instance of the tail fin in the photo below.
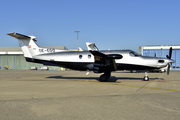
(27, 44)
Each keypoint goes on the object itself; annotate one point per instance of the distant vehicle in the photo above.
(98, 61)
(6, 67)
(44, 68)
(33, 68)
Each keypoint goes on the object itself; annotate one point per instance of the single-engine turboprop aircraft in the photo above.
(98, 61)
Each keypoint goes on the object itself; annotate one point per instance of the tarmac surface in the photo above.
(71, 95)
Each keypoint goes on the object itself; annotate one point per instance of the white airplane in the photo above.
(98, 61)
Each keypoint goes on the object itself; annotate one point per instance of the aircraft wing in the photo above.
(103, 62)
(97, 53)
(109, 56)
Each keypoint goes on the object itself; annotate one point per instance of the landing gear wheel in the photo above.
(146, 78)
(103, 78)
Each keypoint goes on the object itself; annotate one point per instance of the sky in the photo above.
(110, 24)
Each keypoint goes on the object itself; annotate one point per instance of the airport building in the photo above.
(162, 51)
(13, 58)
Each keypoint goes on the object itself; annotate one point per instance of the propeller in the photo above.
(168, 69)
(170, 53)
(169, 57)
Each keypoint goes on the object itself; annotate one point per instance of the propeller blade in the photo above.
(170, 53)
(168, 69)
(167, 56)
(170, 63)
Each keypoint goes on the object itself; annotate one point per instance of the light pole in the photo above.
(77, 39)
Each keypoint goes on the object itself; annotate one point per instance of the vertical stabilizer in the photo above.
(27, 44)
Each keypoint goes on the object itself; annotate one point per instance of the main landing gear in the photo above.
(104, 77)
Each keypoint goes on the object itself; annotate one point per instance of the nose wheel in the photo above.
(146, 78)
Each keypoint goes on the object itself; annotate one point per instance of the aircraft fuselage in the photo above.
(84, 60)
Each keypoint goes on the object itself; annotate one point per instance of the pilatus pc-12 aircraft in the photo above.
(98, 61)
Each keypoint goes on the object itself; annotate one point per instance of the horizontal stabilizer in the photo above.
(20, 36)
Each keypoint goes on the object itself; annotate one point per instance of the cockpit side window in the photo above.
(133, 54)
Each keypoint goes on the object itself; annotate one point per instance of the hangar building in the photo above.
(162, 51)
(13, 58)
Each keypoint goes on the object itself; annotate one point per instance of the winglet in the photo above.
(91, 46)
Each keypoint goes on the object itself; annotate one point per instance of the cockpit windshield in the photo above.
(134, 54)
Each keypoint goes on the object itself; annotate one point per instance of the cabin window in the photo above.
(80, 56)
(89, 56)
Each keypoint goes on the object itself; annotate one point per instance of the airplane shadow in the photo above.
(112, 78)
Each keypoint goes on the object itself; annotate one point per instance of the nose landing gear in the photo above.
(146, 78)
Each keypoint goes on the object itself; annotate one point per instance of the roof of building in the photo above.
(158, 45)
(141, 48)
(17, 49)
(10, 49)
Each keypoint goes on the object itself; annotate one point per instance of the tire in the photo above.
(103, 78)
(146, 78)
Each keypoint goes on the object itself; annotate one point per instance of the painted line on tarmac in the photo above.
(129, 85)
